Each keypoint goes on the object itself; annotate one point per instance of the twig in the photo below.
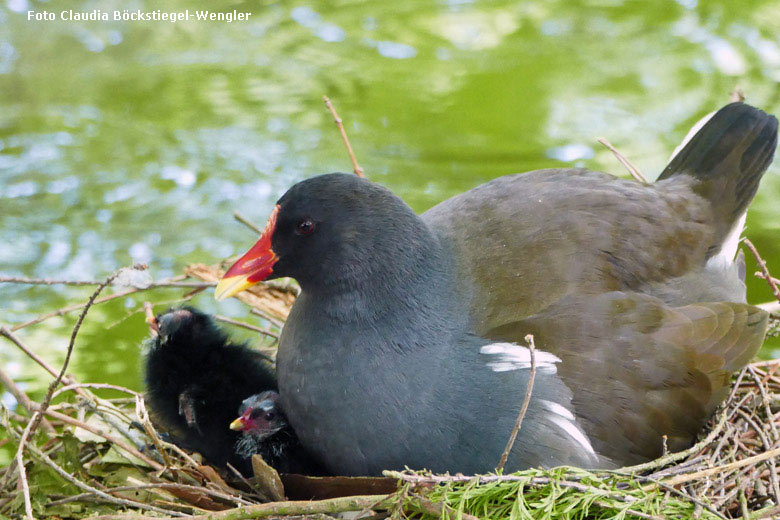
(22, 398)
(681, 479)
(60, 312)
(339, 123)
(115, 440)
(54, 384)
(248, 223)
(684, 495)
(22, 472)
(736, 95)
(27, 350)
(762, 264)
(158, 485)
(635, 172)
(526, 401)
(279, 509)
(143, 416)
(51, 281)
(248, 326)
(85, 487)
(75, 386)
(276, 322)
(436, 509)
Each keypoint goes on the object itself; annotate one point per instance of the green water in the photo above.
(135, 141)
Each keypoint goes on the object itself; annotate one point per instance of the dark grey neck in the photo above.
(407, 286)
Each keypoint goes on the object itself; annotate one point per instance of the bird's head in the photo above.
(186, 326)
(260, 416)
(330, 231)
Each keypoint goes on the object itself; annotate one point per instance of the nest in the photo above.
(79, 454)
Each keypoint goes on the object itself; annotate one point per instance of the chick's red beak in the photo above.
(255, 266)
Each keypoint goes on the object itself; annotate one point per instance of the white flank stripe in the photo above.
(557, 409)
(573, 431)
(511, 356)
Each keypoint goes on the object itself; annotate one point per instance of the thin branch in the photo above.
(681, 479)
(115, 440)
(75, 386)
(635, 172)
(158, 485)
(523, 409)
(339, 123)
(52, 281)
(248, 223)
(764, 269)
(280, 509)
(22, 398)
(436, 509)
(248, 326)
(27, 350)
(22, 471)
(85, 487)
(54, 384)
(60, 312)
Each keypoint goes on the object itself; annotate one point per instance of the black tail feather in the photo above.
(729, 154)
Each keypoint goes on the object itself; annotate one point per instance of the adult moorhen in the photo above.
(405, 345)
(197, 379)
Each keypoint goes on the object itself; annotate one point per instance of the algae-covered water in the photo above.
(134, 141)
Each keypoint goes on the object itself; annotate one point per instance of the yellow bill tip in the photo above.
(231, 286)
(237, 425)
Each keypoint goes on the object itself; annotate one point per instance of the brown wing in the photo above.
(638, 369)
(523, 242)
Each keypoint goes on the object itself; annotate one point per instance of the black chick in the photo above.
(265, 431)
(196, 380)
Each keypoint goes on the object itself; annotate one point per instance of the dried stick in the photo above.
(21, 398)
(526, 401)
(436, 509)
(115, 440)
(120, 294)
(248, 326)
(635, 172)
(76, 386)
(248, 223)
(300, 507)
(85, 487)
(27, 350)
(22, 471)
(143, 416)
(762, 264)
(54, 384)
(160, 485)
(339, 123)
(681, 479)
(52, 281)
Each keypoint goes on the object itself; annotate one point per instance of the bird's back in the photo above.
(633, 286)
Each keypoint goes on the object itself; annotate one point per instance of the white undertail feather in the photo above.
(511, 356)
(728, 250)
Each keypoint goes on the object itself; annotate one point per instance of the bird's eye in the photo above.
(270, 416)
(306, 226)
